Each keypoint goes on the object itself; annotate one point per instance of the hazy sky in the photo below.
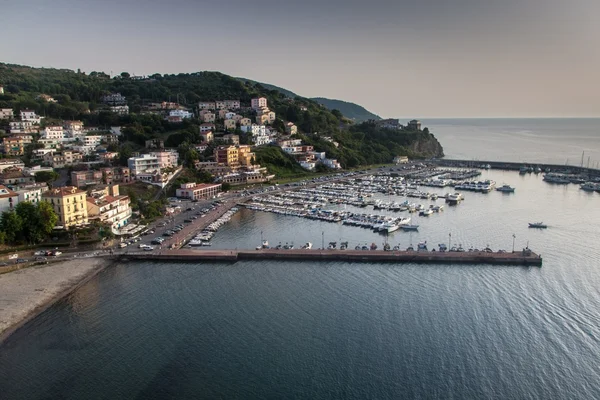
(397, 58)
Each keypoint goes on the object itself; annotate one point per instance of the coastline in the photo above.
(27, 292)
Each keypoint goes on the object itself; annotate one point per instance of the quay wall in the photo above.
(517, 258)
(514, 166)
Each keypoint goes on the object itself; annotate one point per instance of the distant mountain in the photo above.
(350, 110)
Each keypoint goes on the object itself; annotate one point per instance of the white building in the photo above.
(331, 163)
(142, 164)
(258, 103)
(230, 115)
(31, 194)
(121, 110)
(30, 115)
(183, 114)
(55, 132)
(11, 163)
(73, 128)
(92, 140)
(207, 128)
(21, 127)
(206, 105)
(309, 165)
(254, 129)
(8, 199)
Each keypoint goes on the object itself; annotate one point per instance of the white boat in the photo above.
(307, 246)
(422, 246)
(442, 247)
(426, 213)
(391, 227)
(506, 189)
(265, 245)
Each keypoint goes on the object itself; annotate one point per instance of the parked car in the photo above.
(21, 260)
(187, 220)
(41, 258)
(122, 245)
(40, 253)
(13, 256)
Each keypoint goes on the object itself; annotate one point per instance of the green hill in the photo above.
(79, 96)
(350, 110)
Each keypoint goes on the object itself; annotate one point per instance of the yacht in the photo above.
(590, 186)
(539, 225)
(556, 178)
(506, 189)
(390, 227)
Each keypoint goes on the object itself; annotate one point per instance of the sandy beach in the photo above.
(27, 292)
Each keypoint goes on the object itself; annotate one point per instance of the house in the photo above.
(232, 104)
(207, 117)
(110, 207)
(231, 138)
(400, 160)
(31, 116)
(245, 122)
(183, 114)
(229, 124)
(331, 163)
(414, 125)
(291, 129)
(69, 204)
(63, 159)
(196, 191)
(53, 132)
(6, 113)
(14, 176)
(206, 127)
(115, 99)
(92, 140)
(258, 103)
(46, 98)
(206, 105)
(166, 158)
(308, 165)
(236, 117)
(73, 128)
(174, 119)
(108, 156)
(201, 148)
(8, 199)
(116, 175)
(207, 137)
(155, 144)
(389, 123)
(121, 110)
(143, 164)
(31, 193)
(230, 115)
(222, 113)
(262, 119)
(22, 127)
(86, 178)
(13, 146)
(11, 163)
(290, 142)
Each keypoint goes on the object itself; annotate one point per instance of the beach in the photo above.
(27, 292)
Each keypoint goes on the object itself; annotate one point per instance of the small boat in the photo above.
(343, 245)
(409, 227)
(422, 246)
(442, 247)
(426, 213)
(264, 245)
(539, 225)
(373, 246)
(307, 246)
(506, 189)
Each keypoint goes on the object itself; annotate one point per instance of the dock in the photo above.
(520, 258)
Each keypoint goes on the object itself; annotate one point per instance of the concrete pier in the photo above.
(525, 258)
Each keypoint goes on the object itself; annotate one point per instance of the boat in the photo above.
(426, 213)
(343, 245)
(264, 245)
(307, 246)
(373, 246)
(590, 186)
(506, 189)
(442, 247)
(422, 246)
(409, 227)
(539, 225)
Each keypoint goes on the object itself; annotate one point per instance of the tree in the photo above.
(47, 217)
(46, 176)
(124, 154)
(338, 114)
(125, 75)
(11, 225)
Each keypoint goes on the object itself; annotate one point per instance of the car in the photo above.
(168, 233)
(189, 209)
(57, 253)
(20, 261)
(13, 256)
(122, 245)
(3, 264)
(41, 258)
(162, 225)
(148, 248)
(195, 217)
(187, 220)
(40, 253)
(195, 201)
(157, 241)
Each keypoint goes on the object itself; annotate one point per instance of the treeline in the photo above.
(28, 223)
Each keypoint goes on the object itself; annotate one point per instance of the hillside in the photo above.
(79, 96)
(350, 110)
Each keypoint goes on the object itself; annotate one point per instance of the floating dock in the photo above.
(524, 258)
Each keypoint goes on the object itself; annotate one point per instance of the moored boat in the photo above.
(539, 225)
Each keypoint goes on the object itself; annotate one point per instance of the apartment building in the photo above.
(8, 199)
(55, 132)
(196, 191)
(258, 103)
(110, 207)
(6, 113)
(70, 204)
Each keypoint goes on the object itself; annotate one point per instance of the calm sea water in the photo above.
(338, 330)
(555, 140)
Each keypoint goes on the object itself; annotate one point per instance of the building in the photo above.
(230, 124)
(11, 163)
(6, 113)
(108, 156)
(331, 163)
(206, 127)
(231, 138)
(400, 160)
(22, 127)
(207, 137)
(1, 89)
(8, 199)
(115, 99)
(230, 115)
(291, 129)
(110, 207)
(92, 140)
(206, 105)
(166, 158)
(70, 204)
(15, 176)
(143, 164)
(207, 117)
(414, 125)
(232, 104)
(53, 132)
(32, 194)
(262, 119)
(183, 114)
(245, 122)
(222, 113)
(155, 144)
(197, 191)
(121, 110)
(237, 117)
(258, 103)
(390, 123)
(227, 155)
(31, 116)
(63, 159)
(245, 155)
(13, 146)
(73, 128)
(245, 178)
(81, 179)
(46, 98)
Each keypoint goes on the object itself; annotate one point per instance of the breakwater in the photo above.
(515, 166)
(525, 258)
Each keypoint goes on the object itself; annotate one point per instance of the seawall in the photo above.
(515, 166)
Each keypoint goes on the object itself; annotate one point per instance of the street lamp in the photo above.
(449, 240)
(514, 236)
(323, 240)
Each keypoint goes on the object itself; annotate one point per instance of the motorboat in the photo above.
(590, 186)
(391, 227)
(442, 247)
(409, 227)
(307, 246)
(264, 245)
(539, 225)
(506, 189)
(426, 213)
(422, 246)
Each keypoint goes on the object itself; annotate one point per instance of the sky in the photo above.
(397, 58)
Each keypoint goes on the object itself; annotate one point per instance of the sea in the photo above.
(337, 330)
